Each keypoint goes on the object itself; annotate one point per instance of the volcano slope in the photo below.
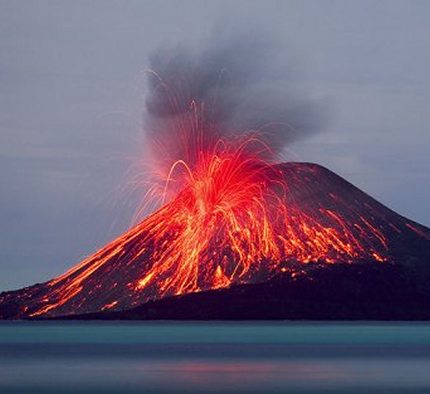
(330, 252)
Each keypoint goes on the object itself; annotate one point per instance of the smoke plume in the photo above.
(224, 89)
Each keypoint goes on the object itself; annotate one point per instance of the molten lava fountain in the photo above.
(232, 217)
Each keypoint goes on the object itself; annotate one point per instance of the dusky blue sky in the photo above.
(71, 86)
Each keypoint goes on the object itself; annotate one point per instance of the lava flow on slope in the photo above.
(288, 218)
(232, 216)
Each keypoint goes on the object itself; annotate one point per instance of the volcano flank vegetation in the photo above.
(319, 248)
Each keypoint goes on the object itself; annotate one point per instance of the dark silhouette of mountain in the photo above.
(339, 292)
(365, 262)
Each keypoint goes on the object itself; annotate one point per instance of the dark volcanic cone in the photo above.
(330, 234)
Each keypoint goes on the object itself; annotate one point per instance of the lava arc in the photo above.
(315, 218)
(231, 216)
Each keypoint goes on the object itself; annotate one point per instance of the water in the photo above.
(167, 357)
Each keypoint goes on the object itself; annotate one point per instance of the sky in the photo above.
(72, 88)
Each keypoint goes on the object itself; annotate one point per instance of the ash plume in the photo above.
(241, 86)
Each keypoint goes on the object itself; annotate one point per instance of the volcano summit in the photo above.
(304, 241)
(215, 126)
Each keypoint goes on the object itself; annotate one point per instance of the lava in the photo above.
(236, 220)
(276, 220)
(231, 215)
(233, 218)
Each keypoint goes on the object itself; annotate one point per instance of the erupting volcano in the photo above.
(241, 222)
(231, 216)
(238, 221)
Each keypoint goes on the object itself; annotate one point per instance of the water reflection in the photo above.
(43, 359)
(199, 375)
(251, 374)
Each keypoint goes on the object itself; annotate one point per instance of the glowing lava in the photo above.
(232, 217)
(279, 221)
(234, 222)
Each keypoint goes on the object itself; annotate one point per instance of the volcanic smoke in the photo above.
(231, 214)
(214, 130)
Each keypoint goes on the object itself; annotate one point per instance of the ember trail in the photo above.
(234, 222)
(226, 212)
(234, 219)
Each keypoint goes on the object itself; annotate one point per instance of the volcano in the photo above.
(318, 245)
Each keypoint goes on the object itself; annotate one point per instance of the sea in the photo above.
(214, 357)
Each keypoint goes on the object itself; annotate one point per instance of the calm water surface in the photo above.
(167, 357)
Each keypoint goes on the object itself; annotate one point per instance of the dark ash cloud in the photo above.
(240, 85)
